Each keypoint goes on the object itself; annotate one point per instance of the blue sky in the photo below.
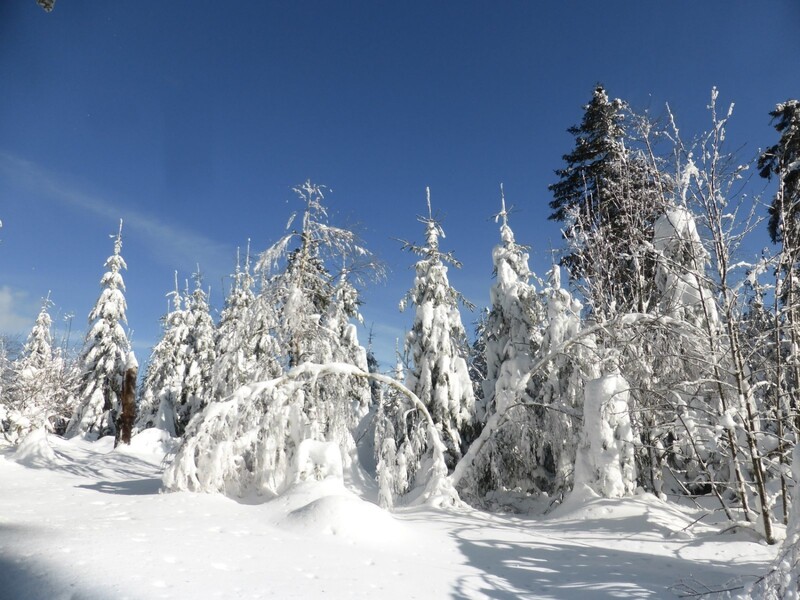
(193, 120)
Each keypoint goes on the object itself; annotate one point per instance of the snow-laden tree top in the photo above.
(317, 240)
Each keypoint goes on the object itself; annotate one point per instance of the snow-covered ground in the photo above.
(81, 520)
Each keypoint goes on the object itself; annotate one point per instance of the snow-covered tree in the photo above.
(608, 197)
(611, 192)
(566, 356)
(104, 354)
(178, 383)
(200, 356)
(559, 386)
(605, 458)
(38, 394)
(782, 161)
(256, 439)
(234, 364)
(312, 302)
(437, 349)
(715, 191)
(512, 329)
(511, 334)
(162, 387)
(391, 469)
(680, 426)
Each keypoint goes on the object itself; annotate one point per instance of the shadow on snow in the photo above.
(563, 558)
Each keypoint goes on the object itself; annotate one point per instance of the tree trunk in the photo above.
(128, 408)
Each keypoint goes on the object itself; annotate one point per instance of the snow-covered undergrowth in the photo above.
(82, 520)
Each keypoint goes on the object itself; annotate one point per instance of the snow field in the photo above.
(80, 520)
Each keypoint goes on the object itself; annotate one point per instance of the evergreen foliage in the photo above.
(234, 364)
(162, 387)
(437, 374)
(437, 348)
(511, 335)
(257, 438)
(608, 197)
(104, 355)
(38, 394)
(783, 161)
(178, 381)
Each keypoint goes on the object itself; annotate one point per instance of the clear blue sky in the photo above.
(193, 119)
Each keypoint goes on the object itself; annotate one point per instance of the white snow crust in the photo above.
(81, 520)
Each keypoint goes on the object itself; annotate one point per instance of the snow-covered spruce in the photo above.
(512, 333)
(163, 380)
(250, 443)
(437, 374)
(549, 400)
(608, 196)
(679, 357)
(199, 357)
(305, 308)
(680, 278)
(234, 362)
(178, 384)
(605, 460)
(38, 394)
(559, 386)
(303, 313)
(105, 351)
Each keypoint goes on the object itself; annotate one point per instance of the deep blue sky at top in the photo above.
(193, 119)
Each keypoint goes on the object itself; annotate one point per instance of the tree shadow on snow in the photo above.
(26, 575)
(113, 472)
(539, 559)
(131, 487)
(116, 474)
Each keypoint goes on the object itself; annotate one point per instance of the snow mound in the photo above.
(150, 441)
(327, 508)
(642, 512)
(35, 450)
(346, 516)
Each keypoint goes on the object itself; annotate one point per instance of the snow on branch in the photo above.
(248, 442)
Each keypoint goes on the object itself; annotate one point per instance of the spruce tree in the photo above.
(104, 355)
(437, 346)
(301, 292)
(38, 395)
(559, 387)
(199, 359)
(511, 336)
(308, 283)
(259, 439)
(392, 470)
(178, 382)
(312, 303)
(607, 198)
(782, 160)
(233, 365)
(162, 388)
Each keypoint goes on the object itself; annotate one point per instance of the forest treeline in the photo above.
(664, 360)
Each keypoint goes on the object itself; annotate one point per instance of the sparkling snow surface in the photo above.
(79, 520)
